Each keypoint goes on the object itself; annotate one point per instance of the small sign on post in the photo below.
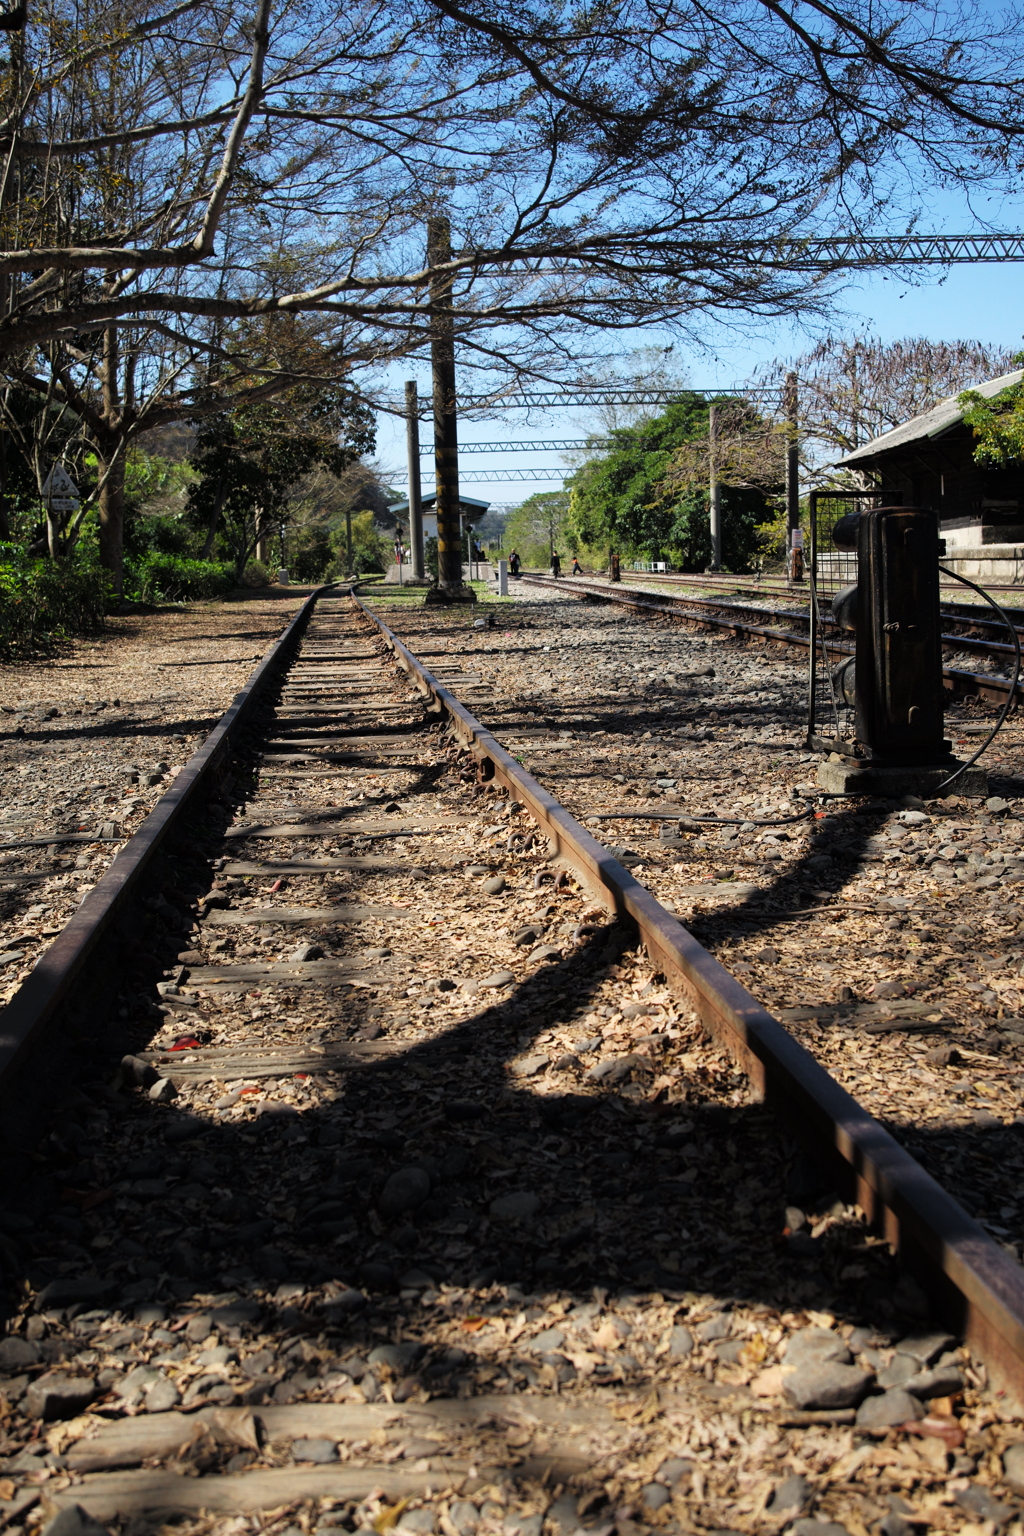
(59, 491)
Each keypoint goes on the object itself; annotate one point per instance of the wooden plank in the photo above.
(282, 970)
(105, 1495)
(397, 826)
(130, 1441)
(314, 866)
(299, 916)
(271, 1061)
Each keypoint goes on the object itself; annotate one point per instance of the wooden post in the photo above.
(714, 491)
(450, 587)
(412, 444)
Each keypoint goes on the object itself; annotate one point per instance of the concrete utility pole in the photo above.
(714, 490)
(348, 540)
(450, 587)
(412, 443)
(794, 545)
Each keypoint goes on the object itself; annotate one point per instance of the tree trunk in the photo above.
(211, 527)
(110, 453)
(111, 458)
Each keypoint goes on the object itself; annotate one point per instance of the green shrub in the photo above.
(256, 575)
(173, 579)
(41, 600)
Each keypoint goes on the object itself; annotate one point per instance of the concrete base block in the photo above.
(840, 778)
(438, 596)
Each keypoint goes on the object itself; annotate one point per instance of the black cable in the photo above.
(1011, 695)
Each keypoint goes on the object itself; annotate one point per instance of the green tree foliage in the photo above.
(648, 497)
(997, 423)
(537, 526)
(249, 461)
(371, 549)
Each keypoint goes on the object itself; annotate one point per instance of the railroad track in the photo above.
(444, 1181)
(779, 587)
(736, 619)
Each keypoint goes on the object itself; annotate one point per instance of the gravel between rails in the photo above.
(890, 940)
(501, 1236)
(90, 737)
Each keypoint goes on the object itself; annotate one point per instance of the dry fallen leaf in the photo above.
(753, 1351)
(389, 1516)
(234, 1426)
(606, 1336)
(942, 1429)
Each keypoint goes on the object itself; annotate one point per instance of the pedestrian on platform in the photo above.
(513, 563)
(556, 565)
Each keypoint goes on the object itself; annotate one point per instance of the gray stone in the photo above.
(790, 1496)
(15, 1353)
(896, 1406)
(132, 1386)
(308, 952)
(524, 1525)
(545, 952)
(818, 1344)
(162, 1396)
(464, 1515)
(348, 1301)
(673, 1469)
(680, 1342)
(520, 1205)
(996, 806)
(654, 1495)
(314, 1450)
(613, 1069)
(979, 1502)
(163, 1091)
(1013, 1465)
(56, 1396)
(89, 1291)
(543, 1343)
(404, 1191)
(899, 1371)
(563, 1515)
(397, 1356)
(494, 886)
(420, 1521)
(74, 1521)
(818, 1528)
(925, 1347)
(529, 1066)
(477, 870)
(712, 1328)
(497, 979)
(826, 1383)
(940, 1381)
(526, 936)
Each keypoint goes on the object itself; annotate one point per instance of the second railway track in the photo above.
(448, 1182)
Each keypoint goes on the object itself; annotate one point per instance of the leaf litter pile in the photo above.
(419, 1202)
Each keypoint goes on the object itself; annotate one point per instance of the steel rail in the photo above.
(975, 1285)
(970, 684)
(53, 992)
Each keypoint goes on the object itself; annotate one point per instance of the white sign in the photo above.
(59, 490)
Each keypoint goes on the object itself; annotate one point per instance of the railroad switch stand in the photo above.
(894, 681)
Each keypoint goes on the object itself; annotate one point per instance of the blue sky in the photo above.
(983, 302)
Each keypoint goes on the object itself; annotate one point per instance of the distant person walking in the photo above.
(577, 569)
(556, 565)
(513, 563)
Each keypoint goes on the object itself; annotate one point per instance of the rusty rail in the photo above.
(972, 1282)
(974, 684)
(46, 996)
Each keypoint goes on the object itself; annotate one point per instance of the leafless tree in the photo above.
(852, 388)
(199, 200)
